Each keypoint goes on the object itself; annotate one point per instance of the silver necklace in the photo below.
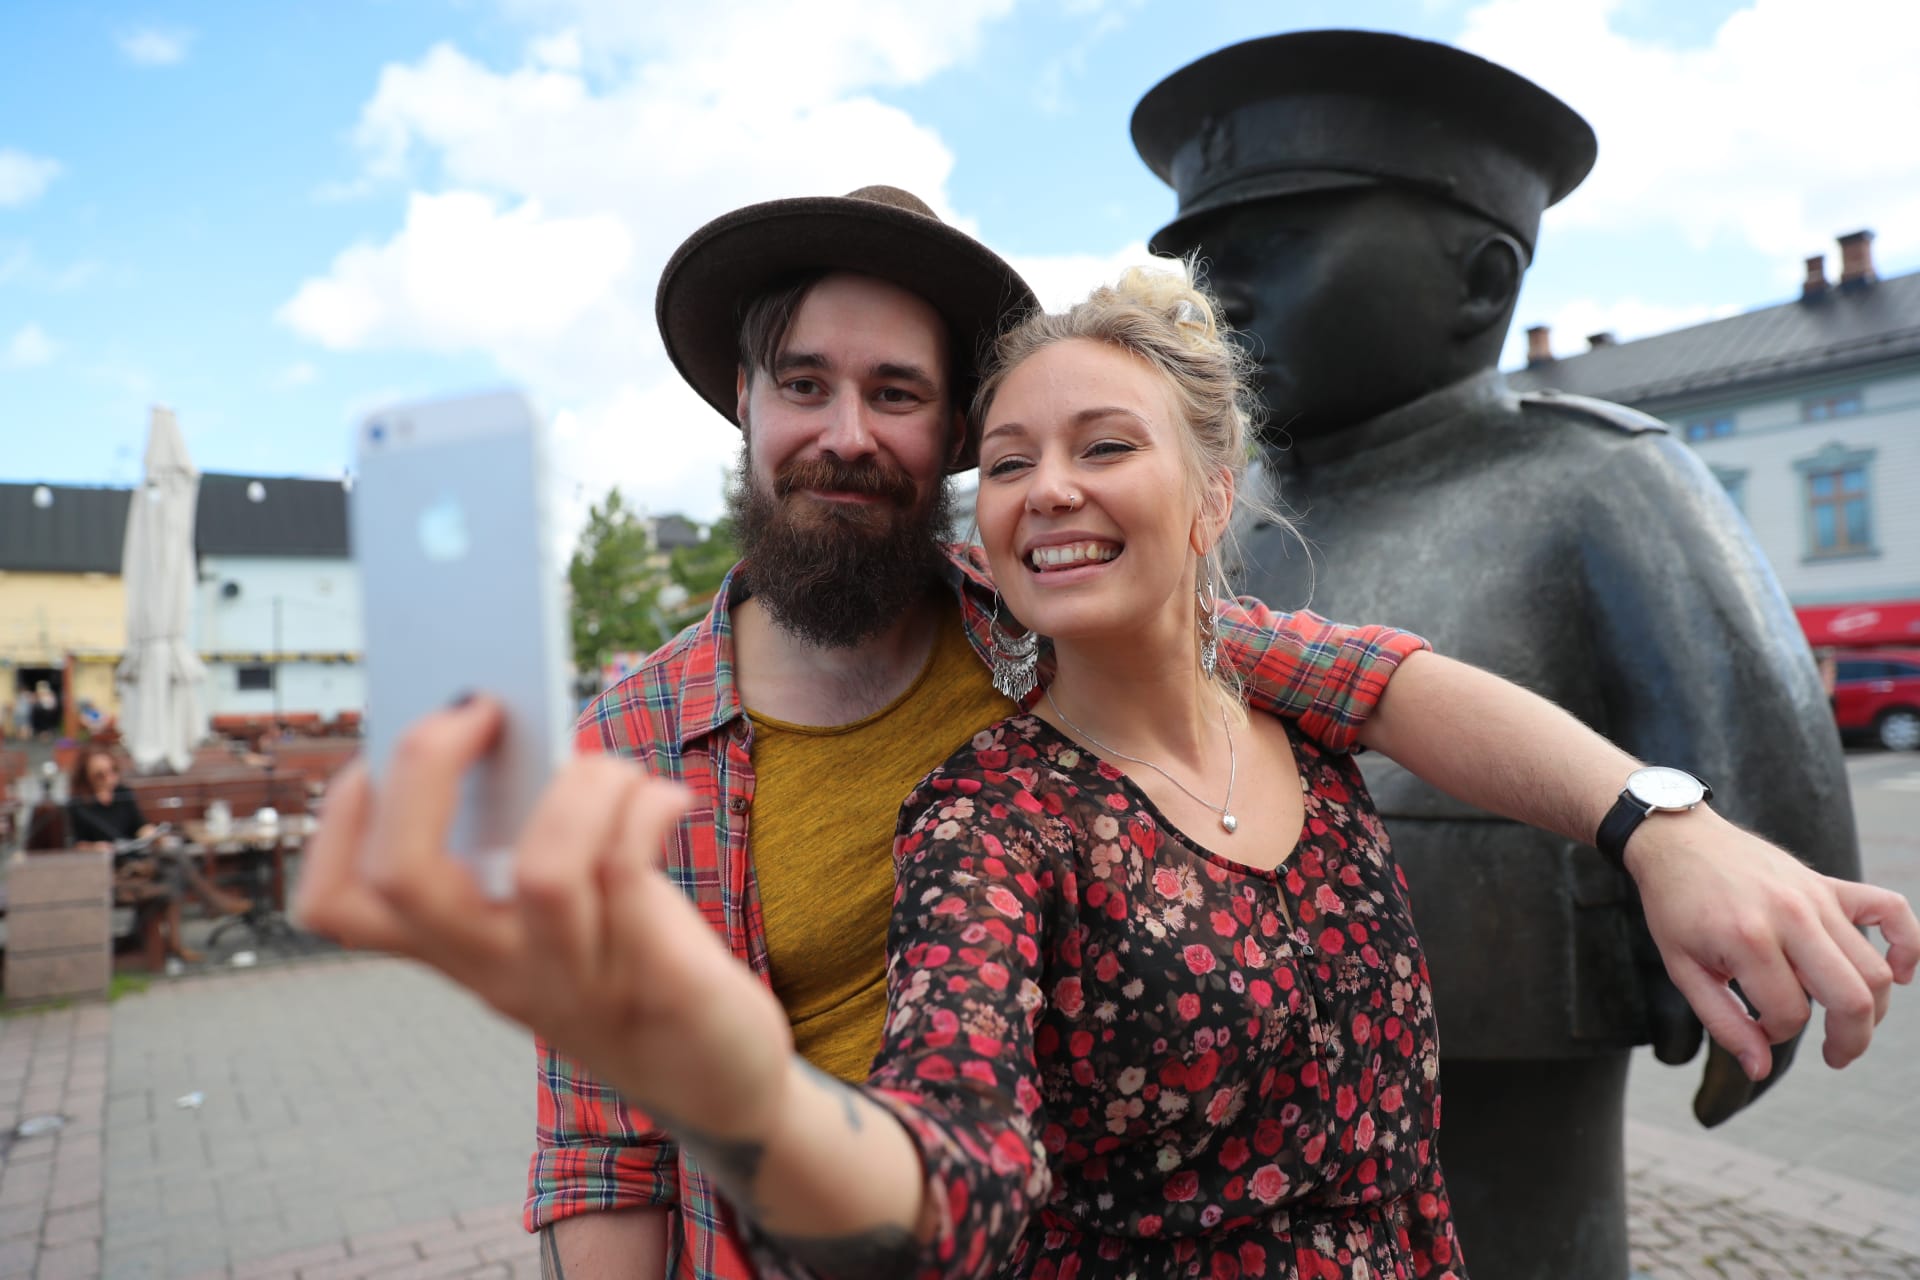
(1227, 821)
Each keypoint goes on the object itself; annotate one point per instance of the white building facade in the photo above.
(279, 635)
(1809, 413)
(1828, 476)
(277, 610)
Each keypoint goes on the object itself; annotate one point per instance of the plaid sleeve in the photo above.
(1326, 676)
(594, 1151)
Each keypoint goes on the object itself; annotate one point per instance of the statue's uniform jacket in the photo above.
(1575, 547)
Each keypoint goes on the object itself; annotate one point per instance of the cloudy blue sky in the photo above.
(272, 217)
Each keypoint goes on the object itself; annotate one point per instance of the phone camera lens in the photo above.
(377, 432)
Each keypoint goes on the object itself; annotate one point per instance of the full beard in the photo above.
(836, 575)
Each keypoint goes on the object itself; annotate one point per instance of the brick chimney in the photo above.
(1539, 345)
(1814, 287)
(1856, 260)
(1604, 338)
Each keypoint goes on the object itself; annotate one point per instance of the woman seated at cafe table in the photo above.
(102, 813)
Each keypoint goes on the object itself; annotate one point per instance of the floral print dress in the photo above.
(1124, 1056)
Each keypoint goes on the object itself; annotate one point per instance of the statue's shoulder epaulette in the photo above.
(1600, 412)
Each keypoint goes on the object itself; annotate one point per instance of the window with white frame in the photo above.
(1838, 486)
(1713, 426)
(1838, 404)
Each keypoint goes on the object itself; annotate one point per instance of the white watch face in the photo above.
(1666, 788)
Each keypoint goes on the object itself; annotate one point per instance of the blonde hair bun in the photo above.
(1170, 289)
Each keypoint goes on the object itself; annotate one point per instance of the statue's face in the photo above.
(1346, 300)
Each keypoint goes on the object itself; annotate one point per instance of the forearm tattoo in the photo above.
(876, 1253)
(550, 1265)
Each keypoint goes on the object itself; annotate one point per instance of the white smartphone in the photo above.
(461, 593)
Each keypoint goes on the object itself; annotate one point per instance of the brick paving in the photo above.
(360, 1118)
(355, 1103)
(1706, 1209)
(1682, 1231)
(52, 1064)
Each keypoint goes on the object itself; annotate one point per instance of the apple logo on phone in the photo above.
(443, 529)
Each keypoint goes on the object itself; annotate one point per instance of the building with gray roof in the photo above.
(1809, 412)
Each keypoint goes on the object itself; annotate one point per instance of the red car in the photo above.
(1878, 694)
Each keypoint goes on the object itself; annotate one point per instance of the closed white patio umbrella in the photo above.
(160, 677)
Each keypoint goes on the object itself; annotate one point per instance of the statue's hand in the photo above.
(1723, 906)
(1676, 1032)
(1676, 1036)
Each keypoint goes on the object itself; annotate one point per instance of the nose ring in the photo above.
(1072, 500)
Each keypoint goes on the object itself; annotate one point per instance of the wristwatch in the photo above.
(1657, 789)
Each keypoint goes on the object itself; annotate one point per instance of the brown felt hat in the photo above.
(877, 231)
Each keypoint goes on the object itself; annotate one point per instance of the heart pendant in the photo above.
(1230, 822)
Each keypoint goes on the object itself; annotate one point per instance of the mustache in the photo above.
(871, 479)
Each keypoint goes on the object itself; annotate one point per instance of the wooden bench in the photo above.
(184, 798)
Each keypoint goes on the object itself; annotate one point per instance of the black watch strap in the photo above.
(1621, 821)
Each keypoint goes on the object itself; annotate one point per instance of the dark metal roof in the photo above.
(1845, 328)
(293, 517)
(83, 530)
(670, 533)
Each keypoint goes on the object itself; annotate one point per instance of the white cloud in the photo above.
(1786, 129)
(1574, 322)
(30, 347)
(464, 274)
(155, 46)
(23, 177)
(549, 194)
(562, 52)
(775, 53)
(1060, 280)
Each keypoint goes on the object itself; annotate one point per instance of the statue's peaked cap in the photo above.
(1321, 110)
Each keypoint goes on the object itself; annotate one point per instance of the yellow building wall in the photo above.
(93, 681)
(45, 617)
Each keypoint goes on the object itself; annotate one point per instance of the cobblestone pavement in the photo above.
(357, 1117)
(52, 1065)
(1826, 1153)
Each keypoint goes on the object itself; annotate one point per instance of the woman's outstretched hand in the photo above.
(595, 950)
(1724, 905)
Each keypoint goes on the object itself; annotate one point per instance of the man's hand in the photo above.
(1725, 906)
(595, 950)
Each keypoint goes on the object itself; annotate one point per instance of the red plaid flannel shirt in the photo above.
(680, 716)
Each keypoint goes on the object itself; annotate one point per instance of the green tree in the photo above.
(614, 585)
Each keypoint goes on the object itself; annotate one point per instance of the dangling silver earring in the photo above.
(1015, 658)
(1207, 606)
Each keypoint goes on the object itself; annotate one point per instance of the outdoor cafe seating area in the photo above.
(240, 813)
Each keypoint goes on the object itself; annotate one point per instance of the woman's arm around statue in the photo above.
(1723, 905)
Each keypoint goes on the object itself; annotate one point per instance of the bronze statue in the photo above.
(1368, 205)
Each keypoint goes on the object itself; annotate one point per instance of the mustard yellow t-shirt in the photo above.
(825, 802)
